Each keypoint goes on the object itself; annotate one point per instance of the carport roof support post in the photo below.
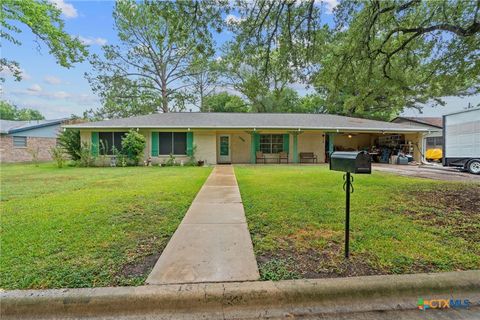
(331, 137)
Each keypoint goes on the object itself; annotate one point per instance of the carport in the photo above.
(384, 146)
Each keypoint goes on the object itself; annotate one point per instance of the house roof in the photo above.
(431, 121)
(11, 126)
(294, 121)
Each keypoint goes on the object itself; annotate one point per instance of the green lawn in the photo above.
(398, 224)
(88, 227)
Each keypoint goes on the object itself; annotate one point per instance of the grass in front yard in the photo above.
(398, 224)
(88, 227)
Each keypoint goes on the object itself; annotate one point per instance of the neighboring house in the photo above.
(238, 137)
(434, 137)
(19, 139)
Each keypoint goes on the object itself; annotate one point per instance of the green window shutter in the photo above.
(94, 146)
(257, 141)
(286, 142)
(154, 146)
(190, 144)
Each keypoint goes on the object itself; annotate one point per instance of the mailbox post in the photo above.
(350, 162)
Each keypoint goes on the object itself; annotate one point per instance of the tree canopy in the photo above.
(389, 55)
(43, 19)
(374, 60)
(224, 102)
(160, 43)
(9, 111)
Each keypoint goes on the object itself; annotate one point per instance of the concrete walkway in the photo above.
(212, 244)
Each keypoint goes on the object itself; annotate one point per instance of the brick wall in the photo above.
(10, 154)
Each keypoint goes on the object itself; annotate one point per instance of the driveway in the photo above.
(433, 172)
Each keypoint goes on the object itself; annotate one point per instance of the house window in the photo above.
(271, 143)
(434, 142)
(20, 142)
(108, 140)
(172, 143)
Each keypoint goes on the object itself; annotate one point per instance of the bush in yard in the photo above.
(121, 159)
(58, 155)
(133, 144)
(192, 161)
(86, 158)
(69, 140)
(34, 152)
(170, 162)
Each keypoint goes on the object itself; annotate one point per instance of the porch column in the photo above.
(253, 146)
(295, 147)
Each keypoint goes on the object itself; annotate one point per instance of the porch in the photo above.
(244, 146)
(281, 146)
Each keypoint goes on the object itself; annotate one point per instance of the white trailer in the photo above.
(461, 140)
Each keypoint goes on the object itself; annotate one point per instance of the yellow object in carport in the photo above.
(434, 154)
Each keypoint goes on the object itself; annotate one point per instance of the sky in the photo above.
(58, 92)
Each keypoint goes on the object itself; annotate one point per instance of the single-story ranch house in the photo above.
(255, 137)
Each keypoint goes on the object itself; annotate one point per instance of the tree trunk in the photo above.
(164, 97)
(201, 99)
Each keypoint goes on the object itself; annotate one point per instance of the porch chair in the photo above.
(282, 156)
(260, 156)
(307, 156)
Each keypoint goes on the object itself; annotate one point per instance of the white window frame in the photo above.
(271, 143)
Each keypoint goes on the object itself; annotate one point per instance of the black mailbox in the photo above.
(350, 162)
(353, 162)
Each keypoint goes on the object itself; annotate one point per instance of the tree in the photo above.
(271, 49)
(203, 80)
(379, 58)
(288, 100)
(243, 71)
(311, 103)
(133, 144)
(70, 141)
(7, 111)
(43, 19)
(159, 43)
(289, 25)
(284, 101)
(29, 114)
(11, 112)
(385, 56)
(224, 102)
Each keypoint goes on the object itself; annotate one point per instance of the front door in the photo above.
(224, 149)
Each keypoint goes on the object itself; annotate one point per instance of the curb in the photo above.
(235, 300)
